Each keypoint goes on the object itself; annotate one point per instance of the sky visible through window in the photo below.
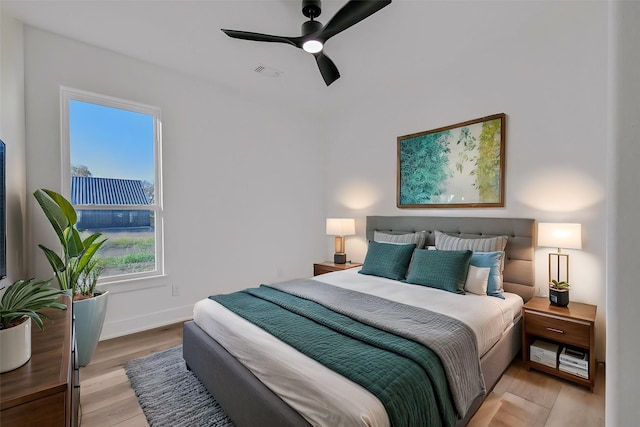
(111, 142)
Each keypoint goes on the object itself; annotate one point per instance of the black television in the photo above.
(3, 216)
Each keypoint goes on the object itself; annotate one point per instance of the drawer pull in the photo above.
(558, 331)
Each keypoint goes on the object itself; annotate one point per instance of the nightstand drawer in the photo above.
(319, 269)
(568, 331)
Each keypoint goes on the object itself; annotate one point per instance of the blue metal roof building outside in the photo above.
(88, 190)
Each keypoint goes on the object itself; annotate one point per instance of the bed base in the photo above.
(248, 402)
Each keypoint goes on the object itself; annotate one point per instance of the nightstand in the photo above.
(573, 325)
(328, 267)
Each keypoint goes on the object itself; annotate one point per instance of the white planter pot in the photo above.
(89, 318)
(15, 346)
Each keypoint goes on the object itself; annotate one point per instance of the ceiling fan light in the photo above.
(312, 46)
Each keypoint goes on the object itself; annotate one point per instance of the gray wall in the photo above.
(12, 132)
(623, 292)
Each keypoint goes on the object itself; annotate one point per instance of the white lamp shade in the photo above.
(560, 235)
(341, 226)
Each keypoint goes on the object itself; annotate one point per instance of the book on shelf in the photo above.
(574, 353)
(544, 352)
(574, 357)
(574, 364)
(582, 373)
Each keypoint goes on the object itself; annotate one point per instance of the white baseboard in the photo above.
(147, 321)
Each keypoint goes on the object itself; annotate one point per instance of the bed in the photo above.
(249, 402)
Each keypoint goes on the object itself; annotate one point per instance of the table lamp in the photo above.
(340, 227)
(559, 235)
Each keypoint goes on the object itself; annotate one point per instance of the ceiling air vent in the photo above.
(267, 71)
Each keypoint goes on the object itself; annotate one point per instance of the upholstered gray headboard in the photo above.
(519, 253)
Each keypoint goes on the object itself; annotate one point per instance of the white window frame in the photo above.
(68, 94)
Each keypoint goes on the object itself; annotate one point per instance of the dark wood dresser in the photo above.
(46, 390)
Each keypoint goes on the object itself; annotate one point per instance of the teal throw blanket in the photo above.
(407, 377)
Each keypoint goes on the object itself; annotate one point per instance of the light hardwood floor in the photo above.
(520, 399)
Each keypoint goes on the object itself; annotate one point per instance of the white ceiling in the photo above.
(406, 43)
(186, 36)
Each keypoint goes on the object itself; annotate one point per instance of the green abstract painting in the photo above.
(461, 165)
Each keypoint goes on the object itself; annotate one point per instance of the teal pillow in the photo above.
(387, 260)
(446, 270)
(493, 260)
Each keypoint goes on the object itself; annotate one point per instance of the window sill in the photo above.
(135, 284)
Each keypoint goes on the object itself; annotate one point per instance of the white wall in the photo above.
(241, 178)
(623, 292)
(12, 132)
(548, 75)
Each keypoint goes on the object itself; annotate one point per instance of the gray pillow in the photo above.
(419, 238)
(446, 242)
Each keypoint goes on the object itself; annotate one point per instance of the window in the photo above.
(111, 173)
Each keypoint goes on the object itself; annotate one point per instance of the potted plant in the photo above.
(559, 293)
(21, 304)
(76, 270)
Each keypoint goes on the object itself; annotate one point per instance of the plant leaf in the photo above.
(53, 212)
(89, 253)
(73, 242)
(64, 205)
(53, 258)
(27, 298)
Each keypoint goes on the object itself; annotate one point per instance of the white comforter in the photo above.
(322, 396)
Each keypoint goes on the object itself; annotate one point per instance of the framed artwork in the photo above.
(457, 166)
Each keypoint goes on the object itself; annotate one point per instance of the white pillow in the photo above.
(477, 279)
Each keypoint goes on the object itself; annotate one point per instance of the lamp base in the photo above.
(340, 258)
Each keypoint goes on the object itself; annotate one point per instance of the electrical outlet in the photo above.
(175, 289)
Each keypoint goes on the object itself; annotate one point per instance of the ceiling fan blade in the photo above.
(350, 14)
(258, 37)
(327, 68)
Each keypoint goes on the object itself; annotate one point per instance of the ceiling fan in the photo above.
(314, 34)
